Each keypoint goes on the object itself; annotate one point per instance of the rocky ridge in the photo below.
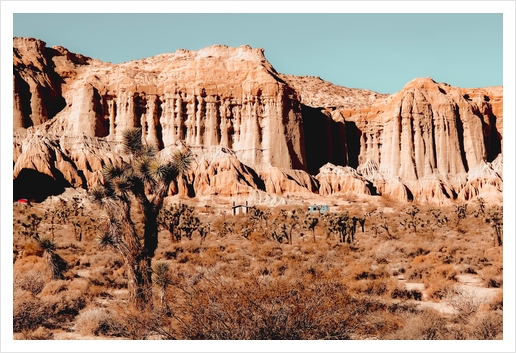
(252, 128)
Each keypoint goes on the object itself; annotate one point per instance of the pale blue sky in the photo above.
(381, 52)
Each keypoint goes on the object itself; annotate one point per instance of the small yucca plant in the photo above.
(47, 247)
(161, 278)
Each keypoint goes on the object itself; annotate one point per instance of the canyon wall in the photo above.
(253, 128)
(215, 96)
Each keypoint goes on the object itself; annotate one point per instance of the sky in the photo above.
(381, 52)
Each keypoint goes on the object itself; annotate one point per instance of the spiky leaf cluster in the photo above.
(46, 244)
(161, 274)
(145, 172)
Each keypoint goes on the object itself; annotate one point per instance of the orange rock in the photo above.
(430, 142)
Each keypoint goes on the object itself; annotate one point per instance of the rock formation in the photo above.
(253, 128)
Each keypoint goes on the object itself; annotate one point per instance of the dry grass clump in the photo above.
(370, 279)
(465, 301)
(98, 321)
(55, 305)
(426, 325)
(439, 280)
(28, 311)
(32, 281)
(492, 276)
(63, 306)
(437, 277)
(486, 326)
(27, 263)
(41, 333)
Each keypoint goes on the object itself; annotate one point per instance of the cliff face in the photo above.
(430, 141)
(215, 96)
(431, 133)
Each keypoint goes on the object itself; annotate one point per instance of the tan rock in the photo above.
(341, 180)
(281, 182)
(253, 128)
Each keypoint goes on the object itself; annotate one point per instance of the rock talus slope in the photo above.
(253, 128)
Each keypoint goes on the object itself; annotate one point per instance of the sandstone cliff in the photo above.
(253, 128)
(214, 96)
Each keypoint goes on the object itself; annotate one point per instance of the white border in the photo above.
(10, 7)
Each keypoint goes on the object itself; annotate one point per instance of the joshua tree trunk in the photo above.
(139, 281)
(52, 264)
(497, 236)
(171, 233)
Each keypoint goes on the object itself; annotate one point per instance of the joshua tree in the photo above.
(385, 226)
(226, 229)
(247, 230)
(362, 220)
(261, 217)
(460, 210)
(311, 223)
(61, 213)
(412, 211)
(495, 218)
(440, 219)
(125, 187)
(343, 225)
(481, 210)
(188, 222)
(412, 223)
(280, 233)
(374, 228)
(31, 227)
(286, 222)
(169, 219)
(204, 230)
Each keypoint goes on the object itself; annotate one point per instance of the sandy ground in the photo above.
(471, 283)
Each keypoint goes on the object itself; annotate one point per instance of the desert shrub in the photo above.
(28, 311)
(41, 333)
(54, 287)
(400, 292)
(421, 266)
(497, 301)
(30, 262)
(377, 287)
(97, 291)
(486, 326)
(465, 301)
(279, 268)
(439, 280)
(493, 276)
(98, 321)
(32, 281)
(427, 325)
(274, 309)
(63, 307)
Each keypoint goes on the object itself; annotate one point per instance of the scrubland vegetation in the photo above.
(122, 263)
(369, 270)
